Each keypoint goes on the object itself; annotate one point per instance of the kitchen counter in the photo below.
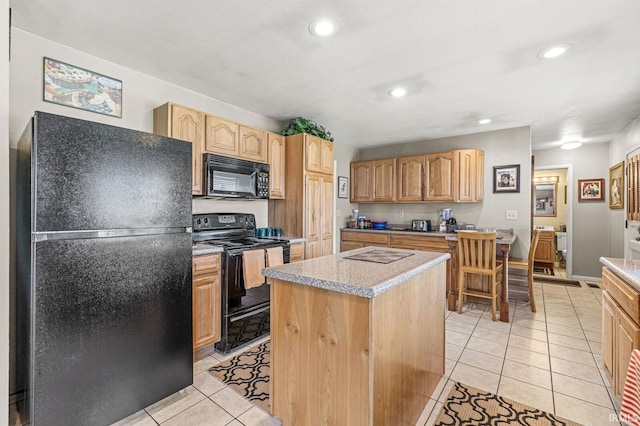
(356, 336)
(201, 249)
(292, 240)
(506, 235)
(357, 277)
(627, 269)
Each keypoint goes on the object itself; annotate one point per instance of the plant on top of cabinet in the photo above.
(304, 125)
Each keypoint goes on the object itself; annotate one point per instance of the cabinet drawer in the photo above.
(296, 253)
(437, 244)
(623, 293)
(205, 264)
(366, 237)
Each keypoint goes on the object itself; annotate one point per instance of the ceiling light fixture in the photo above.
(484, 121)
(571, 145)
(398, 92)
(554, 51)
(323, 28)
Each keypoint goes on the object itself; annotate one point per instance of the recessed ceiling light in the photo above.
(571, 145)
(323, 28)
(398, 92)
(554, 51)
(484, 121)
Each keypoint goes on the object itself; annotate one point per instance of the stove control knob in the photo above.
(199, 221)
(206, 220)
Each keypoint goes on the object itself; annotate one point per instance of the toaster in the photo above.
(421, 225)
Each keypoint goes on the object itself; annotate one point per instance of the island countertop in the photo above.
(357, 277)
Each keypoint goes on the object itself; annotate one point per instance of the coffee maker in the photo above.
(446, 218)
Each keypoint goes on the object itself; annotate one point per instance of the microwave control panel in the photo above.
(263, 185)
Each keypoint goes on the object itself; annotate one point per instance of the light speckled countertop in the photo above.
(201, 249)
(356, 277)
(627, 269)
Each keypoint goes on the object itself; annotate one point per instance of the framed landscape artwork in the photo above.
(590, 189)
(616, 186)
(506, 178)
(77, 87)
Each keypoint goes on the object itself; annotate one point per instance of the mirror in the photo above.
(545, 199)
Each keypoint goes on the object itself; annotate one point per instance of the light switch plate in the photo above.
(511, 215)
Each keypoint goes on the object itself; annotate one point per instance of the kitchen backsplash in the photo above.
(405, 213)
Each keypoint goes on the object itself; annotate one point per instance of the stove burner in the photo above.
(245, 242)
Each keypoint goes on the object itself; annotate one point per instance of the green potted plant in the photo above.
(303, 125)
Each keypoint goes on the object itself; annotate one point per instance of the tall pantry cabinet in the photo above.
(307, 210)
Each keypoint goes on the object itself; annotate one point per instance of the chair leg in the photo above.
(532, 302)
(460, 288)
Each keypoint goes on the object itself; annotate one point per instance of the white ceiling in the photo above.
(461, 60)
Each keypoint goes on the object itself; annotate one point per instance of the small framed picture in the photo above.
(616, 186)
(506, 178)
(343, 187)
(590, 189)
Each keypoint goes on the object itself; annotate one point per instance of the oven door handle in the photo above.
(248, 314)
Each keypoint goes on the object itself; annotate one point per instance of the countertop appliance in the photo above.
(245, 312)
(103, 297)
(236, 178)
(421, 225)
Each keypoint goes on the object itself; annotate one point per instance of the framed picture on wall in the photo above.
(590, 189)
(616, 186)
(343, 187)
(506, 178)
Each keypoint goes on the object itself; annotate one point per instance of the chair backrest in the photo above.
(533, 247)
(477, 252)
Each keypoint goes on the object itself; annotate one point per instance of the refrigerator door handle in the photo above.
(106, 233)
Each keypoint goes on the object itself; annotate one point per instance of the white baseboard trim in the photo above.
(583, 278)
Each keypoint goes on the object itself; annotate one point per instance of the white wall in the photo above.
(502, 147)
(344, 155)
(4, 211)
(589, 221)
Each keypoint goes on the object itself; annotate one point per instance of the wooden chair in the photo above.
(524, 284)
(477, 255)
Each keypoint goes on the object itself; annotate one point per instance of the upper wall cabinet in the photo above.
(221, 136)
(276, 145)
(188, 125)
(318, 155)
(253, 144)
(373, 181)
(452, 176)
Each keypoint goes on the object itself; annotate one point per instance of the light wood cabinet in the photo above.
(479, 175)
(439, 177)
(620, 328)
(318, 154)
(546, 251)
(221, 136)
(277, 160)
(373, 181)
(187, 124)
(410, 178)
(206, 300)
(296, 252)
(466, 175)
(307, 210)
(252, 144)
(350, 240)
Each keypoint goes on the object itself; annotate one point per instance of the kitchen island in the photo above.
(357, 337)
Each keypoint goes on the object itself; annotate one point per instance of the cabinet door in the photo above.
(327, 215)
(327, 157)
(221, 136)
(313, 216)
(350, 245)
(479, 176)
(410, 178)
(608, 336)
(252, 144)
(546, 252)
(361, 181)
(276, 165)
(384, 173)
(206, 310)
(188, 125)
(439, 177)
(466, 175)
(626, 340)
(313, 154)
(296, 253)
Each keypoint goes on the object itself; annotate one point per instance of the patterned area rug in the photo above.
(248, 374)
(543, 271)
(470, 406)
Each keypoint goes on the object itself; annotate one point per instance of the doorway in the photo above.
(552, 199)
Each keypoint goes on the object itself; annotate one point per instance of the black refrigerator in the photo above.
(103, 251)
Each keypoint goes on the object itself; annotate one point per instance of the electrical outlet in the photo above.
(511, 215)
(401, 213)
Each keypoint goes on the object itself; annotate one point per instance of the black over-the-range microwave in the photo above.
(235, 178)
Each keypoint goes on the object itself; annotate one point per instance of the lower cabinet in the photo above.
(356, 240)
(296, 253)
(546, 250)
(206, 300)
(620, 328)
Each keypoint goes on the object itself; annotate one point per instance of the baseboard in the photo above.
(583, 278)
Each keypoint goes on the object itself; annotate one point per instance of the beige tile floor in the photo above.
(549, 360)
